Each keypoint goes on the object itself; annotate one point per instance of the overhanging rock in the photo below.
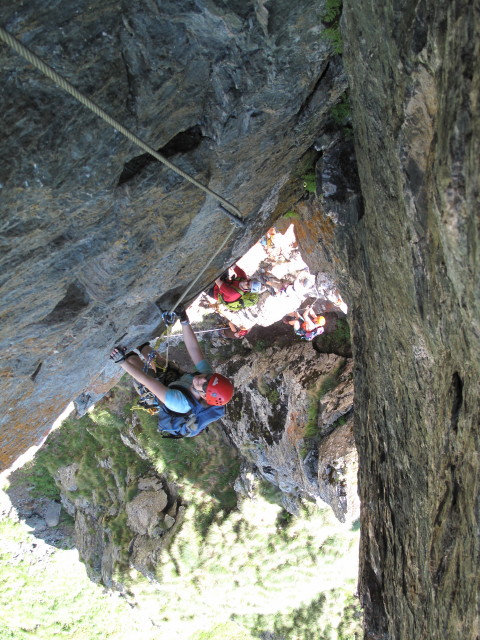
(84, 258)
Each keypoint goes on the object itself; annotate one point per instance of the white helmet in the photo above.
(255, 286)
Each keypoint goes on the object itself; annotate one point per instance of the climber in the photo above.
(235, 332)
(307, 326)
(236, 291)
(233, 288)
(190, 403)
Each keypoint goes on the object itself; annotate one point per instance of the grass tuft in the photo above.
(331, 17)
(324, 386)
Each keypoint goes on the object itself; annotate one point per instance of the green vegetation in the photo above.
(324, 385)
(54, 598)
(333, 11)
(232, 572)
(260, 345)
(331, 17)
(194, 463)
(268, 389)
(341, 112)
(341, 115)
(273, 396)
(340, 422)
(338, 342)
(291, 214)
(310, 182)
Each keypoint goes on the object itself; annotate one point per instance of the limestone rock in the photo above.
(414, 264)
(36, 523)
(65, 476)
(52, 513)
(337, 472)
(107, 541)
(145, 551)
(245, 483)
(89, 540)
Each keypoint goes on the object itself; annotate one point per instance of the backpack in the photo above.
(187, 425)
(179, 425)
(248, 299)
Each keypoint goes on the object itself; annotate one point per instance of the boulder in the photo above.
(144, 512)
(52, 513)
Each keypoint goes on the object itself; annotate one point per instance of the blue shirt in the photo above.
(175, 400)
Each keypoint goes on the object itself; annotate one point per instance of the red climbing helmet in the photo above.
(219, 390)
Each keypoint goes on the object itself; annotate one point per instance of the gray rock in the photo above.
(36, 523)
(337, 473)
(65, 476)
(414, 256)
(268, 415)
(95, 235)
(144, 510)
(52, 514)
(245, 484)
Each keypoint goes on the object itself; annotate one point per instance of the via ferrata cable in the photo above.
(227, 207)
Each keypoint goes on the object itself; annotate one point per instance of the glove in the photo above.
(183, 317)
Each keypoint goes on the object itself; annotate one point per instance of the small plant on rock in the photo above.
(331, 17)
(310, 182)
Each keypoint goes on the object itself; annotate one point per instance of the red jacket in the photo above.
(229, 294)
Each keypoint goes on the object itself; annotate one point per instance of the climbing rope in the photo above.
(190, 286)
(152, 354)
(232, 212)
(229, 209)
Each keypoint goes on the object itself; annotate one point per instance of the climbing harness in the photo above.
(228, 208)
(147, 400)
(156, 346)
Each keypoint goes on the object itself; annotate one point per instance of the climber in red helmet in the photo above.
(192, 401)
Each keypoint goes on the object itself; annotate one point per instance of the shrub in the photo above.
(291, 214)
(341, 112)
(325, 384)
(228, 561)
(331, 16)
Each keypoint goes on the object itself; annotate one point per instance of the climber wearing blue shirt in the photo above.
(206, 387)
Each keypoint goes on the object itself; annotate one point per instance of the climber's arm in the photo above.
(191, 342)
(153, 385)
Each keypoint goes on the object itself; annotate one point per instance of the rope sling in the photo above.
(226, 207)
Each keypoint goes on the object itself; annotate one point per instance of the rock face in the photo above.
(413, 259)
(94, 234)
(129, 528)
(287, 403)
(84, 259)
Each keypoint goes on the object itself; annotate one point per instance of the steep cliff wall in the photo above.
(84, 259)
(414, 83)
(94, 235)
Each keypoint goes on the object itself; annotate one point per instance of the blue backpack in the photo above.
(187, 425)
